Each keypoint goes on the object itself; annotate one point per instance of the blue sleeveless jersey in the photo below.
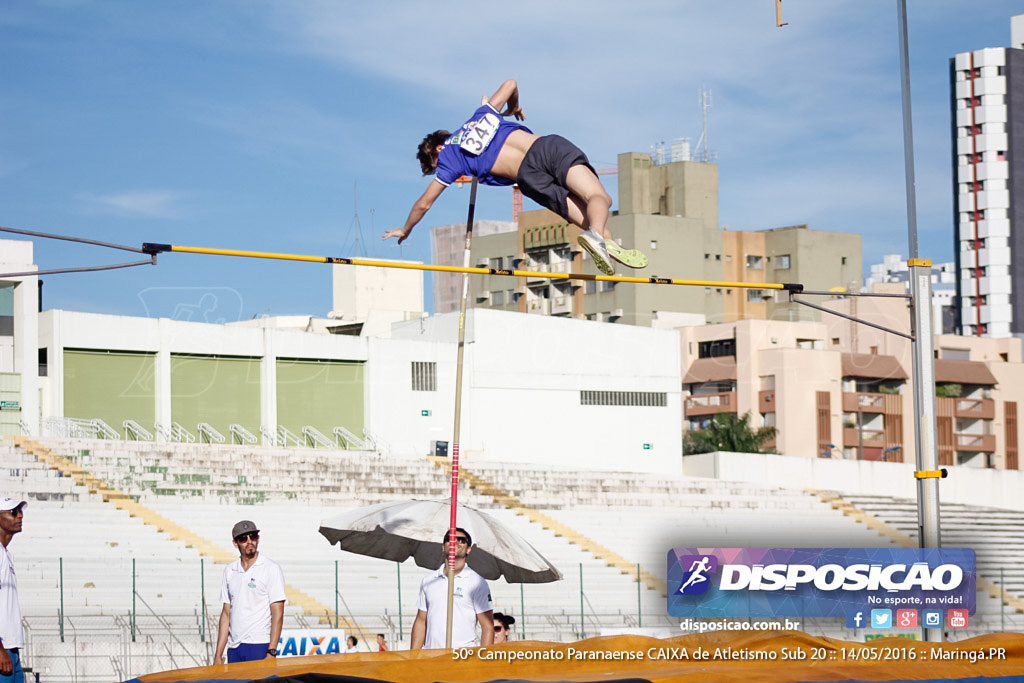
(453, 161)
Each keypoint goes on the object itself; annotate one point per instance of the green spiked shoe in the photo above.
(634, 258)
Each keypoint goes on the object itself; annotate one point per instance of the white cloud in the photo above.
(140, 203)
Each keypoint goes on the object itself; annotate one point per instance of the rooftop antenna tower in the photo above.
(355, 230)
(703, 152)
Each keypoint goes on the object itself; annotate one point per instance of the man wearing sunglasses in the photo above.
(12, 638)
(471, 605)
(252, 592)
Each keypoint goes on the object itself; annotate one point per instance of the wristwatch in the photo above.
(272, 652)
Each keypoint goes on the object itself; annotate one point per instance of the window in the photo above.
(782, 262)
(755, 262)
(643, 399)
(716, 348)
(498, 298)
(424, 376)
(755, 295)
(654, 245)
(496, 263)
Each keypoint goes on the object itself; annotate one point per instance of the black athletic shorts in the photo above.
(543, 171)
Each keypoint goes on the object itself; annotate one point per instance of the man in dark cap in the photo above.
(252, 592)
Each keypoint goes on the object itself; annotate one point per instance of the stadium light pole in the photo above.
(922, 346)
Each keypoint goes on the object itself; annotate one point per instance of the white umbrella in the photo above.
(415, 528)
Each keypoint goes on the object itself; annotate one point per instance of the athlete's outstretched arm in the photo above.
(507, 96)
(419, 209)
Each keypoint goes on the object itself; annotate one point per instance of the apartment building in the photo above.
(669, 211)
(987, 99)
(838, 389)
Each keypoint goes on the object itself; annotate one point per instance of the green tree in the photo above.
(727, 432)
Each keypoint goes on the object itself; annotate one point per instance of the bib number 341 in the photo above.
(478, 134)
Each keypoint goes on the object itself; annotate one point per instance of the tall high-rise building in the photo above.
(987, 92)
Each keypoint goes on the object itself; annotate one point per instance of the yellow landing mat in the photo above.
(748, 657)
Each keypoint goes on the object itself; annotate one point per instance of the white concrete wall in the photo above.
(16, 257)
(522, 381)
(523, 377)
(969, 486)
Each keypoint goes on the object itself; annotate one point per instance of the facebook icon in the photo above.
(855, 619)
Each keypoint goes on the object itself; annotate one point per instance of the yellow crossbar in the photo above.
(376, 263)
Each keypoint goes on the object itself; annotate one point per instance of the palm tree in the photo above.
(727, 432)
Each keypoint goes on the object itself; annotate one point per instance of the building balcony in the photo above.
(711, 404)
(869, 438)
(561, 305)
(539, 306)
(538, 268)
(976, 408)
(977, 443)
(864, 402)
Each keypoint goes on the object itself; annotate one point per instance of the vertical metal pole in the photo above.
(860, 433)
(133, 599)
(62, 599)
(583, 632)
(335, 594)
(202, 596)
(908, 129)
(639, 610)
(925, 411)
(458, 415)
(522, 613)
(921, 300)
(398, 566)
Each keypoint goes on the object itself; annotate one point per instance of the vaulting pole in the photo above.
(458, 415)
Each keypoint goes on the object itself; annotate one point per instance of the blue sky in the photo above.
(256, 124)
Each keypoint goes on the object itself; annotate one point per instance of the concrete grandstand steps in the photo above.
(558, 488)
(147, 516)
(996, 536)
(146, 470)
(587, 545)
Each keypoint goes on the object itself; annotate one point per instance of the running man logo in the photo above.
(817, 582)
(696, 579)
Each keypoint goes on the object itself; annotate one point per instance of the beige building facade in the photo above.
(839, 389)
(669, 211)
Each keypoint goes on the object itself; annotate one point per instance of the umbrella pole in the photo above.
(458, 415)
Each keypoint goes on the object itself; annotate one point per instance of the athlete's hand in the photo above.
(400, 233)
(517, 112)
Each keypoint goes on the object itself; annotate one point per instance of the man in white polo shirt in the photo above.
(12, 637)
(471, 605)
(252, 592)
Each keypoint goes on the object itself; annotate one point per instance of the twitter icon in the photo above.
(881, 618)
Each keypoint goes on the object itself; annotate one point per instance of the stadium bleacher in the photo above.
(154, 570)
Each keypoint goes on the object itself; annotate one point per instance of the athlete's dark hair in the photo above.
(426, 153)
